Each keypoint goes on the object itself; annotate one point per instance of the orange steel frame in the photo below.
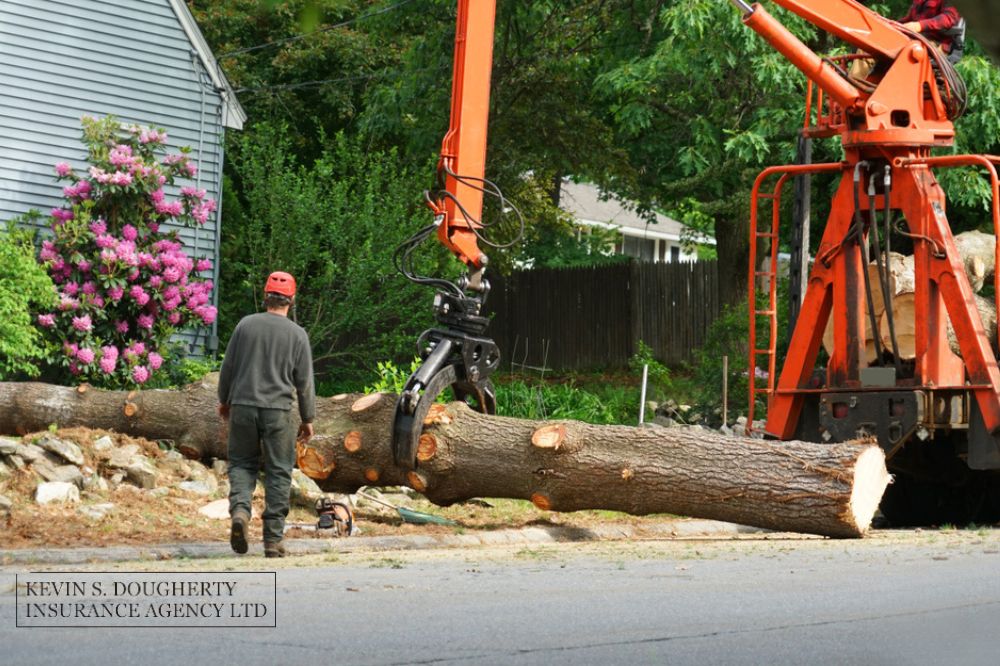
(896, 125)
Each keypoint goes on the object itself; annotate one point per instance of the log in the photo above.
(978, 252)
(903, 318)
(900, 279)
(831, 490)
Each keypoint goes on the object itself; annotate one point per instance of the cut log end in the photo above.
(130, 409)
(365, 403)
(312, 463)
(352, 441)
(541, 501)
(438, 413)
(549, 436)
(416, 481)
(371, 475)
(427, 448)
(870, 481)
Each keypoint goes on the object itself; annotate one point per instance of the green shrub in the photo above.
(24, 287)
(612, 404)
(658, 375)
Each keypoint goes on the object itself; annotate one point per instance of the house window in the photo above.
(640, 248)
(675, 254)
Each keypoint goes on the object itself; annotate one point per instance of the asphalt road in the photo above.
(898, 598)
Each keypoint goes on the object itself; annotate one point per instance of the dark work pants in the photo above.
(255, 435)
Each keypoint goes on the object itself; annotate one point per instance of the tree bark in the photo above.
(831, 490)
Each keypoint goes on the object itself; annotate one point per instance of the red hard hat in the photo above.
(280, 283)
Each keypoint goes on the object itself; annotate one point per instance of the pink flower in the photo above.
(109, 351)
(63, 169)
(173, 159)
(129, 232)
(70, 348)
(71, 288)
(145, 321)
(155, 281)
(203, 265)
(152, 136)
(48, 251)
(207, 314)
(67, 303)
(83, 265)
(189, 191)
(116, 293)
(122, 327)
(120, 154)
(171, 274)
(82, 323)
(89, 288)
(98, 227)
(74, 369)
(139, 295)
(108, 364)
(174, 317)
(47, 320)
(191, 169)
(136, 348)
(85, 355)
(108, 256)
(105, 241)
(121, 178)
(140, 374)
(155, 361)
(98, 301)
(173, 208)
(153, 227)
(157, 196)
(62, 214)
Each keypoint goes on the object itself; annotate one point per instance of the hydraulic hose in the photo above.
(889, 316)
(863, 246)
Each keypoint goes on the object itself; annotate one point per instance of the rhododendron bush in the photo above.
(124, 283)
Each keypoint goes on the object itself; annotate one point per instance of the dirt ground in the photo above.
(169, 514)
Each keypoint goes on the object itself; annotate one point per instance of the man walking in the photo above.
(268, 358)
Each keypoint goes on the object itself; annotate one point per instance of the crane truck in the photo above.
(938, 417)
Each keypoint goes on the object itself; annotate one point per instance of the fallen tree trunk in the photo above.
(831, 490)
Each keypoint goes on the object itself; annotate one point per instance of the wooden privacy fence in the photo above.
(594, 317)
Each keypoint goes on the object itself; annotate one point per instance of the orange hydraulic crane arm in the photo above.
(462, 164)
(852, 22)
(457, 353)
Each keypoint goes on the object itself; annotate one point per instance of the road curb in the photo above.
(535, 535)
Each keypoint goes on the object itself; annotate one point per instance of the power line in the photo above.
(279, 42)
(319, 82)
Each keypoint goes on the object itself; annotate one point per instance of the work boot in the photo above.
(238, 532)
(274, 549)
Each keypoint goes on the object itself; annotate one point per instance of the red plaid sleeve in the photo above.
(947, 18)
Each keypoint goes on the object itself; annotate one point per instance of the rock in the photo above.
(726, 430)
(142, 472)
(65, 473)
(220, 467)
(173, 456)
(16, 461)
(218, 510)
(159, 492)
(96, 511)
(68, 451)
(123, 458)
(104, 443)
(8, 446)
(57, 491)
(94, 482)
(29, 452)
(4, 470)
(664, 421)
(199, 487)
(304, 492)
(117, 478)
(5, 503)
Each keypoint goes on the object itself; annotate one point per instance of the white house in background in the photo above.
(639, 238)
(143, 61)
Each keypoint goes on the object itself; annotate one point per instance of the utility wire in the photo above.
(294, 38)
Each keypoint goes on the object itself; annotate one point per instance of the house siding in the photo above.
(132, 59)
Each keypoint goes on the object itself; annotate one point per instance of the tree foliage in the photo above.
(24, 288)
(334, 224)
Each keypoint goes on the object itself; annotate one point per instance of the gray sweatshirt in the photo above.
(267, 359)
